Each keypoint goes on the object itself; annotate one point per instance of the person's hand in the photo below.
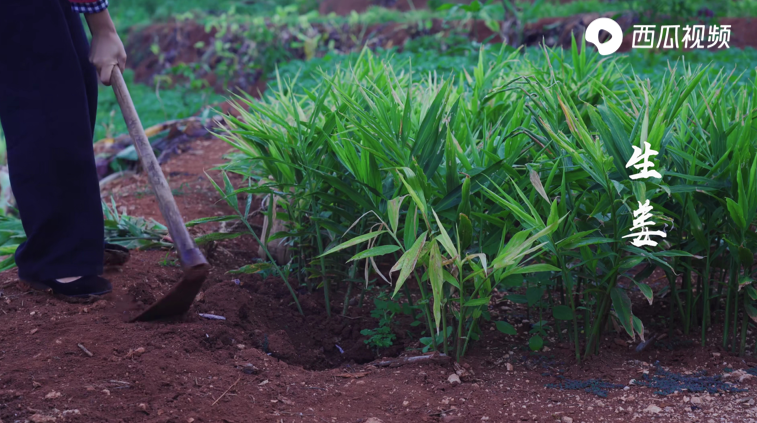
(106, 51)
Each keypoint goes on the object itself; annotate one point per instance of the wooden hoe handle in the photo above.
(189, 254)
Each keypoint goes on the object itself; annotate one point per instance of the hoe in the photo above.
(194, 265)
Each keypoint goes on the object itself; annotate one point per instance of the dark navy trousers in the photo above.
(48, 103)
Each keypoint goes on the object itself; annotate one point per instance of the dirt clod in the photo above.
(53, 395)
(135, 352)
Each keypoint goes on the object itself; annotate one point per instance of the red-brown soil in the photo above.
(266, 363)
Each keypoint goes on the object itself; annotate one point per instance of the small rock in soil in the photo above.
(454, 379)
(135, 353)
(567, 419)
(653, 409)
(212, 316)
(737, 374)
(143, 408)
(374, 420)
(696, 400)
(509, 367)
(250, 369)
(53, 395)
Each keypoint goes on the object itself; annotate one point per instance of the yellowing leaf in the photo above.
(436, 278)
(407, 262)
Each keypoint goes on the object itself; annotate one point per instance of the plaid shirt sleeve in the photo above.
(89, 6)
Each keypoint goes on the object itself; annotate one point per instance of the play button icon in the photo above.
(616, 35)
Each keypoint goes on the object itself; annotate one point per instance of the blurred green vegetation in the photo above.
(431, 54)
(155, 105)
(691, 8)
(425, 54)
(126, 13)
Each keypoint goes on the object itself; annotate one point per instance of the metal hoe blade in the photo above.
(193, 263)
(180, 297)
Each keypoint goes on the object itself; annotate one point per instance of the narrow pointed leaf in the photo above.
(375, 252)
(354, 241)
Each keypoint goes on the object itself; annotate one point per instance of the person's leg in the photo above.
(114, 255)
(45, 110)
(81, 45)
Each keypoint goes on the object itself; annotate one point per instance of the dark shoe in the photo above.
(115, 255)
(83, 287)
